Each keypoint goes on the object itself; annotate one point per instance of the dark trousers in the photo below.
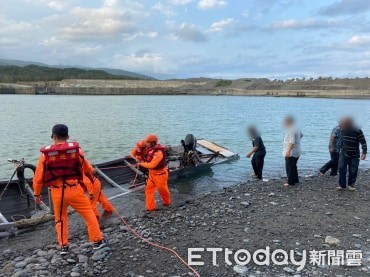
(257, 164)
(292, 170)
(332, 164)
(349, 164)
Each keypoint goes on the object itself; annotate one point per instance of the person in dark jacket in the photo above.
(334, 147)
(349, 158)
(258, 152)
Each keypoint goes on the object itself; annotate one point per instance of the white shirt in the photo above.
(292, 136)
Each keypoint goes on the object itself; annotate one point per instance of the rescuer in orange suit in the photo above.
(60, 168)
(138, 152)
(154, 159)
(93, 183)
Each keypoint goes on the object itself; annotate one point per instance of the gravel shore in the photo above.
(251, 216)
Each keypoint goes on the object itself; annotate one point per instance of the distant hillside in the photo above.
(34, 73)
(19, 63)
(112, 71)
(120, 72)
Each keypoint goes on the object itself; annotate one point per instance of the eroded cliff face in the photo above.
(341, 88)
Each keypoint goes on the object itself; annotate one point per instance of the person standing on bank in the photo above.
(349, 157)
(291, 150)
(60, 168)
(258, 152)
(334, 147)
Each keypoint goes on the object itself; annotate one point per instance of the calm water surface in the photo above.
(109, 126)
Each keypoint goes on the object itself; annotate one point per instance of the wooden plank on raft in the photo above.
(216, 148)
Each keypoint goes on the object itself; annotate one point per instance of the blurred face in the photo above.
(346, 123)
(287, 122)
(251, 132)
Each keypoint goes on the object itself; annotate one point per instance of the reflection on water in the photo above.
(109, 126)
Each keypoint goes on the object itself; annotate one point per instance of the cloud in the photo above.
(180, 2)
(261, 7)
(140, 34)
(111, 33)
(210, 4)
(52, 4)
(11, 27)
(190, 32)
(363, 40)
(346, 7)
(245, 13)
(164, 9)
(88, 50)
(304, 24)
(16, 34)
(110, 20)
(143, 61)
(222, 24)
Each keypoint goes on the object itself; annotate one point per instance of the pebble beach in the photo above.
(252, 215)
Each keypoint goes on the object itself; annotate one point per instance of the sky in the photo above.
(193, 38)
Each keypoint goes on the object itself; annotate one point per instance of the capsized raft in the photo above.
(17, 208)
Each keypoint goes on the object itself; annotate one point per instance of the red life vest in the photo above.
(150, 152)
(62, 161)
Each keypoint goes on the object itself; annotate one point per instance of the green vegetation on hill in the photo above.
(34, 73)
(224, 83)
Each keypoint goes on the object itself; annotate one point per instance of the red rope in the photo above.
(132, 230)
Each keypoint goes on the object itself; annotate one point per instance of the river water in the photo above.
(109, 126)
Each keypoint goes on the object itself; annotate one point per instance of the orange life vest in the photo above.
(62, 161)
(150, 152)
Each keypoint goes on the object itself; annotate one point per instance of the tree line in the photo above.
(35, 73)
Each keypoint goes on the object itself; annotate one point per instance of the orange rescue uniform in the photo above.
(157, 180)
(64, 195)
(98, 196)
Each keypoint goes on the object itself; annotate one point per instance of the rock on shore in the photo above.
(249, 216)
